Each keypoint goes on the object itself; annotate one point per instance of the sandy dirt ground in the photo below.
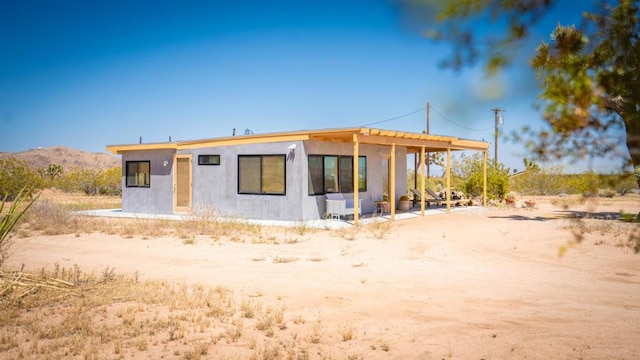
(481, 284)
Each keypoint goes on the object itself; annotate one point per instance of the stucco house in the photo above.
(276, 176)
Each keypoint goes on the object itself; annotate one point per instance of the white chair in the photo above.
(338, 206)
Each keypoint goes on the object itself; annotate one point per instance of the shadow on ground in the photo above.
(599, 215)
(523, 218)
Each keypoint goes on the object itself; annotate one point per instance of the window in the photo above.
(261, 174)
(138, 173)
(330, 173)
(208, 159)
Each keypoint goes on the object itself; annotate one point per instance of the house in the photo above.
(276, 176)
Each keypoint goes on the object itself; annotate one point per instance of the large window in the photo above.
(331, 173)
(138, 173)
(261, 174)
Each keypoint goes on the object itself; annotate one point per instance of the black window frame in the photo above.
(203, 156)
(262, 191)
(127, 174)
(320, 159)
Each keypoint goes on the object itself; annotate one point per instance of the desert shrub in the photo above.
(92, 181)
(607, 193)
(467, 174)
(552, 181)
(14, 176)
(433, 183)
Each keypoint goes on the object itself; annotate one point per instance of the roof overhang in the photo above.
(413, 141)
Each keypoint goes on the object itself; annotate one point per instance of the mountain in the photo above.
(66, 157)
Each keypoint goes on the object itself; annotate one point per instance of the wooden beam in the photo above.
(392, 181)
(388, 140)
(448, 180)
(356, 203)
(241, 140)
(484, 178)
(121, 149)
(423, 163)
(469, 145)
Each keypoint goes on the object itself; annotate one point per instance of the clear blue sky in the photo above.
(85, 74)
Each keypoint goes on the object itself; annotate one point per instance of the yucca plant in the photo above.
(21, 203)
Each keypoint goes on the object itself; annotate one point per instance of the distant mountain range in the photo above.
(64, 156)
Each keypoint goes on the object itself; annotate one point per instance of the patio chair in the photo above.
(434, 198)
(338, 206)
(416, 197)
(456, 198)
(430, 198)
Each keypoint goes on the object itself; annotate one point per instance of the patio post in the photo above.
(356, 203)
(392, 181)
(448, 179)
(484, 178)
(423, 163)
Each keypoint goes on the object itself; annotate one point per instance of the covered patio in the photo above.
(417, 144)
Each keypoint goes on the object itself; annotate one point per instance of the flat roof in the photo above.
(413, 141)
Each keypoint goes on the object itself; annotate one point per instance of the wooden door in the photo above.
(182, 186)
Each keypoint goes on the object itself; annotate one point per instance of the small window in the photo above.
(261, 174)
(208, 159)
(138, 174)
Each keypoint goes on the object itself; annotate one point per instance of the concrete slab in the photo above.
(320, 224)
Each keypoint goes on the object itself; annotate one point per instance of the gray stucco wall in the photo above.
(215, 187)
(158, 198)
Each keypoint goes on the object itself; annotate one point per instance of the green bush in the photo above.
(468, 173)
(552, 181)
(92, 181)
(15, 175)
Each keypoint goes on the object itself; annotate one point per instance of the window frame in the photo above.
(137, 174)
(283, 157)
(202, 156)
(322, 179)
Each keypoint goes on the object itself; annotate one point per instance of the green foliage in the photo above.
(14, 176)
(22, 201)
(92, 181)
(468, 173)
(429, 183)
(588, 74)
(553, 181)
(53, 171)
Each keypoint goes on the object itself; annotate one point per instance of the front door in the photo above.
(182, 184)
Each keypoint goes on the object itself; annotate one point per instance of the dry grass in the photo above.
(380, 229)
(54, 215)
(72, 314)
(284, 259)
(48, 217)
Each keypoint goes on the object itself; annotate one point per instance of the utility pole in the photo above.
(498, 123)
(426, 161)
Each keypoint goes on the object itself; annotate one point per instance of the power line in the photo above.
(455, 123)
(424, 108)
(395, 118)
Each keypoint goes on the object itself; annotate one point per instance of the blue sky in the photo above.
(88, 74)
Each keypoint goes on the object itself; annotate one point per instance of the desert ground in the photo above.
(478, 283)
